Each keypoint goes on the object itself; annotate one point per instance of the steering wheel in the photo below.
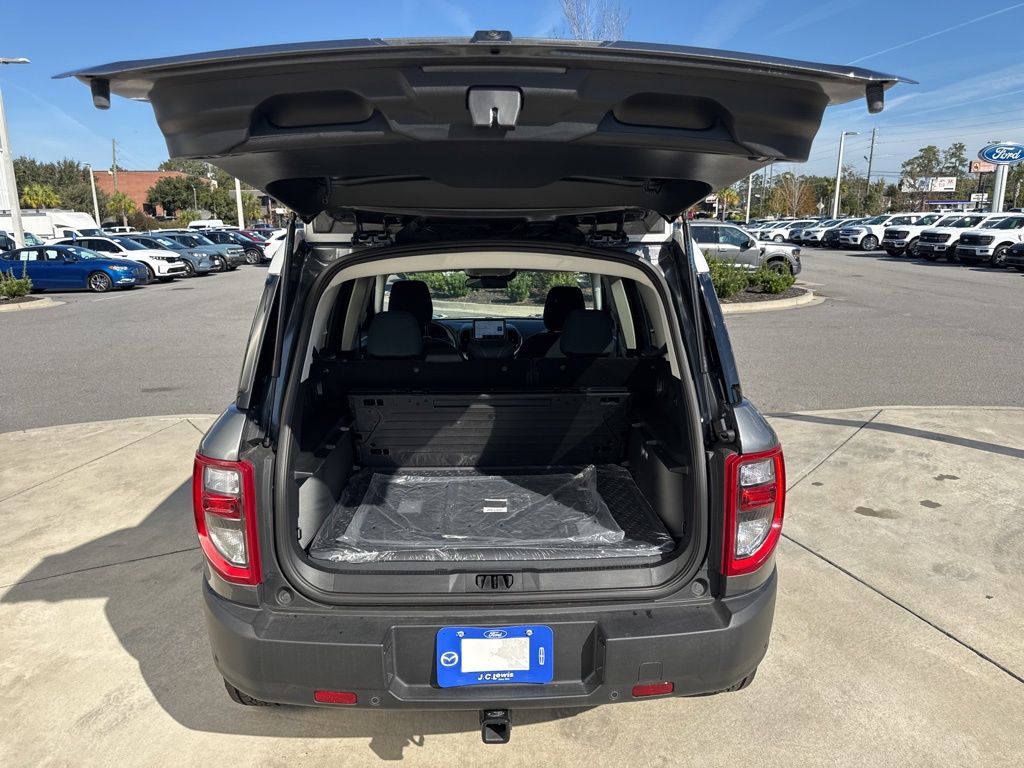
(446, 333)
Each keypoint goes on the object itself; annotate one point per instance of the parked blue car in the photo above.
(69, 267)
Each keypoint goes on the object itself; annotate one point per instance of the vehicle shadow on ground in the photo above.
(153, 605)
(883, 256)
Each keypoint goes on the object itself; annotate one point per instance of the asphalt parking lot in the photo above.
(901, 603)
(893, 332)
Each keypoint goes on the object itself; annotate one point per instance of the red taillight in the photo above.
(224, 502)
(755, 495)
(653, 689)
(335, 697)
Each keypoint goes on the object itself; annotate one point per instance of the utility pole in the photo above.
(238, 204)
(871, 158)
(95, 202)
(113, 162)
(750, 194)
(7, 162)
(839, 172)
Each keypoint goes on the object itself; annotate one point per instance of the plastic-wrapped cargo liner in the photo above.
(466, 515)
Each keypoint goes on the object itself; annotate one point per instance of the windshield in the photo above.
(193, 240)
(902, 220)
(456, 295)
(948, 221)
(83, 253)
(128, 244)
(166, 242)
(930, 218)
(1014, 222)
(876, 220)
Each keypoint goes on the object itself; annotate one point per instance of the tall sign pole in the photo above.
(7, 166)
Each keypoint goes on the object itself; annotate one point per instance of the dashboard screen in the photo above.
(489, 330)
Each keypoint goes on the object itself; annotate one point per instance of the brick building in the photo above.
(135, 184)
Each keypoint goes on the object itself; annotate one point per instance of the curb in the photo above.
(43, 303)
(808, 299)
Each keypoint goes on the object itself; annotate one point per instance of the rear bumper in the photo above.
(388, 659)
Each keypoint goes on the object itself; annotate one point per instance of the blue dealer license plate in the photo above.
(486, 656)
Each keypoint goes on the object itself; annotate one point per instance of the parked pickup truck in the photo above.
(939, 242)
(868, 234)
(990, 245)
(902, 239)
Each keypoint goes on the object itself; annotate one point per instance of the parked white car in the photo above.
(938, 242)
(785, 229)
(900, 238)
(868, 234)
(814, 234)
(991, 244)
(162, 265)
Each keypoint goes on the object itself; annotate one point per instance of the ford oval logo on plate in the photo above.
(1003, 154)
(493, 634)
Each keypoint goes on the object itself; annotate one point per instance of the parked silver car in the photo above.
(728, 242)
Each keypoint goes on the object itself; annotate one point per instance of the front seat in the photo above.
(560, 301)
(413, 296)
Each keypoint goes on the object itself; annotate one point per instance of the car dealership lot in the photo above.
(899, 616)
(893, 332)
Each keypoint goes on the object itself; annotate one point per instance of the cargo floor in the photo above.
(512, 514)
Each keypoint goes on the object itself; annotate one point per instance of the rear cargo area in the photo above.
(568, 461)
(485, 515)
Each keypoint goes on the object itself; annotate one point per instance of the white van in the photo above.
(205, 223)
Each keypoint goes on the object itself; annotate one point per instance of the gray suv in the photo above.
(728, 242)
(487, 507)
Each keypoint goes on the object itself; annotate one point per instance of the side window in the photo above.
(31, 255)
(52, 254)
(103, 246)
(704, 235)
(731, 236)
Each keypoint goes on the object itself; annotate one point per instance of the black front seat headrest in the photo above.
(560, 301)
(412, 296)
(588, 333)
(394, 335)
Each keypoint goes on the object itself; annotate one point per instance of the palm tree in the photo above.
(728, 198)
(36, 195)
(121, 205)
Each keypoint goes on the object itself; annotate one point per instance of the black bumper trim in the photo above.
(387, 659)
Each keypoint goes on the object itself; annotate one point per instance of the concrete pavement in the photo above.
(896, 642)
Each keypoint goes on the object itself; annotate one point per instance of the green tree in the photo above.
(173, 193)
(926, 163)
(68, 178)
(251, 207)
(38, 195)
(120, 205)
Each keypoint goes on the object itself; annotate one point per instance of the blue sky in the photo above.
(965, 55)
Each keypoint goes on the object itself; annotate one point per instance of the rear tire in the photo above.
(100, 282)
(243, 698)
(252, 256)
(869, 243)
(778, 238)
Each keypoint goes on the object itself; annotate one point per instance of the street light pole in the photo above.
(7, 161)
(238, 204)
(839, 171)
(195, 200)
(95, 202)
(750, 194)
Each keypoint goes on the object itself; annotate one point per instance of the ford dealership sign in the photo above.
(1003, 154)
